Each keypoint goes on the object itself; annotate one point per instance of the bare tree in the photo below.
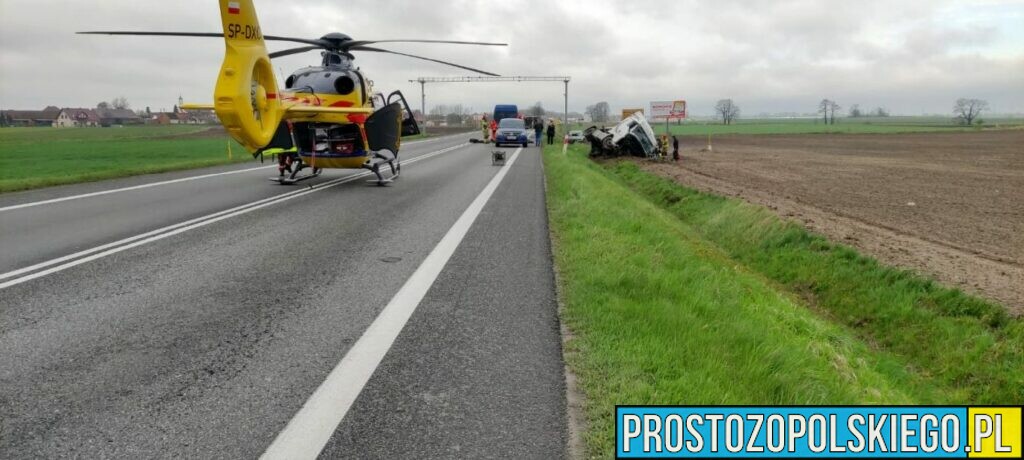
(536, 110)
(727, 110)
(103, 105)
(855, 111)
(832, 108)
(120, 102)
(453, 119)
(598, 112)
(823, 107)
(966, 110)
(880, 112)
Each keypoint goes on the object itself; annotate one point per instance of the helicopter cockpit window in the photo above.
(333, 59)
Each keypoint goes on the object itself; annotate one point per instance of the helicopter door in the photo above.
(409, 126)
(382, 128)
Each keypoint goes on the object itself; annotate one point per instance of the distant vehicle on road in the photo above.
(511, 131)
(502, 111)
(575, 136)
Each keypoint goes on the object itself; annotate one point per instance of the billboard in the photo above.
(668, 109)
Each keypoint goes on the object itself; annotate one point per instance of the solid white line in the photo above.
(170, 230)
(311, 428)
(155, 184)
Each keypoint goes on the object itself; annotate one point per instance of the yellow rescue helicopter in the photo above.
(327, 116)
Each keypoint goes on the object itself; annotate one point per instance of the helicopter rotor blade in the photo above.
(319, 43)
(290, 51)
(378, 50)
(348, 45)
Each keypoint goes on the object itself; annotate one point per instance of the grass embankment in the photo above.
(40, 157)
(677, 297)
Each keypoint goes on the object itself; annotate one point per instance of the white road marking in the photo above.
(166, 182)
(82, 257)
(310, 429)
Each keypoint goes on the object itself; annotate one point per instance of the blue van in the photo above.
(505, 111)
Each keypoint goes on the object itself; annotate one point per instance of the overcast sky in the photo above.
(769, 56)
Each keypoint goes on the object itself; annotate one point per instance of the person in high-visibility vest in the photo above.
(494, 130)
(484, 128)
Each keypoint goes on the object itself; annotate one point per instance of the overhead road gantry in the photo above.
(424, 80)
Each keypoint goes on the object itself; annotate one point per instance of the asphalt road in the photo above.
(206, 339)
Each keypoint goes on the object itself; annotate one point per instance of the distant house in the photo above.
(164, 118)
(202, 117)
(71, 117)
(110, 117)
(174, 118)
(46, 117)
(196, 117)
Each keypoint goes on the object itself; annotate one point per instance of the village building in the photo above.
(110, 117)
(72, 117)
(46, 117)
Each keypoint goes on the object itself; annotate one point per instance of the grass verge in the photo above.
(42, 157)
(662, 313)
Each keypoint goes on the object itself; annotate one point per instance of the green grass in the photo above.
(41, 157)
(676, 297)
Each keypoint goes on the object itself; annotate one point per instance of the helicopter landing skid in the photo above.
(293, 178)
(290, 180)
(379, 159)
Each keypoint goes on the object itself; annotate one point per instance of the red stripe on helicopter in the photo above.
(271, 95)
(233, 8)
(342, 104)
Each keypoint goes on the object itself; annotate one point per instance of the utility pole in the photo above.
(565, 121)
(423, 104)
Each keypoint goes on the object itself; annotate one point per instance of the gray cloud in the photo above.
(910, 56)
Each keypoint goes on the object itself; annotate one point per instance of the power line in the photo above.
(424, 80)
(484, 79)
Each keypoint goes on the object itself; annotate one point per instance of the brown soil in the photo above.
(949, 205)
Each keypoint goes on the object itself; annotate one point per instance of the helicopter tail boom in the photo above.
(246, 96)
